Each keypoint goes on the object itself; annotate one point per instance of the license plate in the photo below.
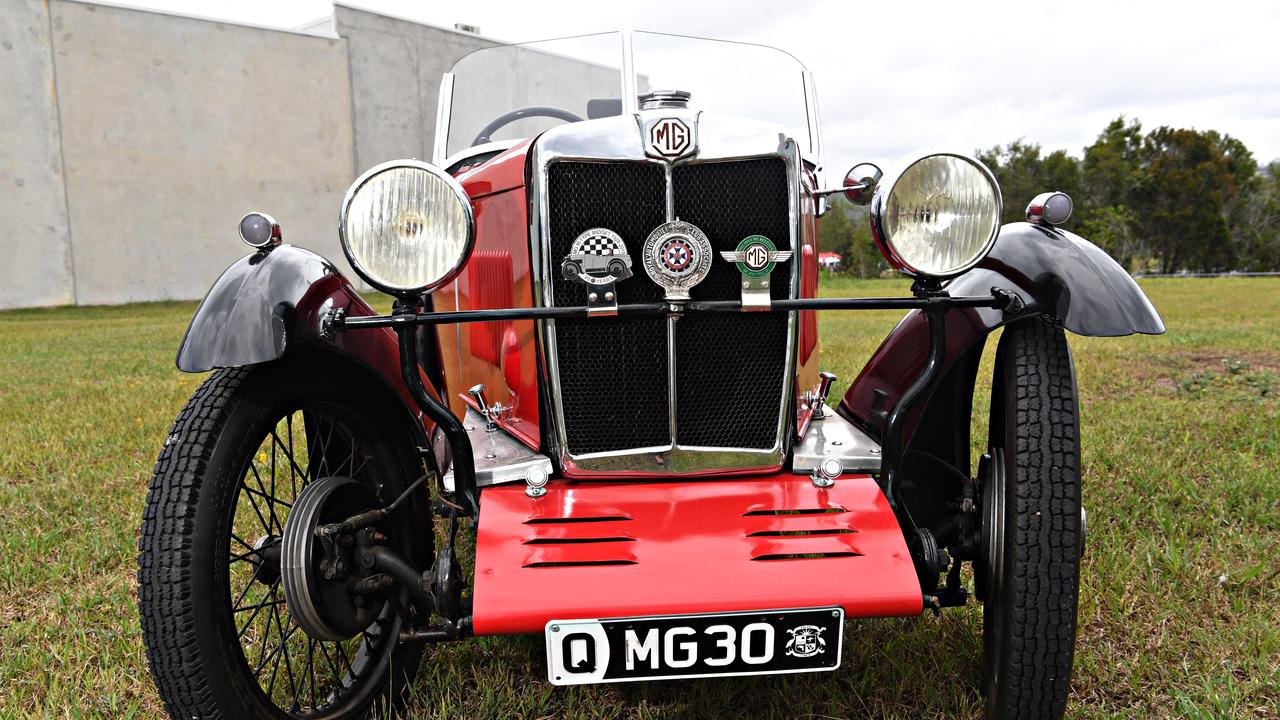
(766, 642)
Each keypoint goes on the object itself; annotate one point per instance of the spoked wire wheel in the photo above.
(295, 671)
(221, 636)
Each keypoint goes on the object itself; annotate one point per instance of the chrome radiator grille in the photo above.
(730, 369)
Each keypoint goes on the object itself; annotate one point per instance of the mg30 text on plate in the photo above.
(760, 642)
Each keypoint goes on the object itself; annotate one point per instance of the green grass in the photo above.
(1179, 614)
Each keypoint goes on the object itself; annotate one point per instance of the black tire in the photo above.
(209, 483)
(1029, 577)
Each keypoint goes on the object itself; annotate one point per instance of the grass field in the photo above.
(1180, 613)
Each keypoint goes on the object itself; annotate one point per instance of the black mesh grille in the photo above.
(730, 368)
(613, 371)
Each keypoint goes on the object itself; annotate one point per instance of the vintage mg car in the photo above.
(641, 460)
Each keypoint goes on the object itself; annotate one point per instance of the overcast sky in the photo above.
(893, 76)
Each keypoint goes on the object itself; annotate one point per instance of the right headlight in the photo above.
(937, 216)
(406, 227)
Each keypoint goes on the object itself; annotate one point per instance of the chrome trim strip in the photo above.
(617, 139)
(444, 112)
(815, 127)
(630, 94)
(672, 387)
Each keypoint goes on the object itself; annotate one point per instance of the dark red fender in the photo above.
(626, 549)
(376, 348)
(266, 304)
(1051, 271)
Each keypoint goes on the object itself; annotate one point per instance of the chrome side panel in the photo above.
(500, 457)
(621, 139)
(833, 436)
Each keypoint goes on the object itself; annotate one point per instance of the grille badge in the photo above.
(598, 258)
(756, 257)
(677, 255)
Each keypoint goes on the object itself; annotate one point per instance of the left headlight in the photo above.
(937, 216)
(406, 227)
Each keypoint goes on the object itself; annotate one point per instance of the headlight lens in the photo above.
(938, 216)
(406, 227)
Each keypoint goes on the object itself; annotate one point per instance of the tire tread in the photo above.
(1044, 461)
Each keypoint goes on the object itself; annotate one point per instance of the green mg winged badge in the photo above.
(756, 257)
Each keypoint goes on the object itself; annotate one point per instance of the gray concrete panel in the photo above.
(396, 67)
(35, 268)
(173, 127)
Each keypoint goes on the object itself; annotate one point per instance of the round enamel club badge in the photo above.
(677, 256)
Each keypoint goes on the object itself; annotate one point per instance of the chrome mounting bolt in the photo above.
(536, 483)
(824, 476)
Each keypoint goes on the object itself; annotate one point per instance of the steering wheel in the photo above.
(511, 116)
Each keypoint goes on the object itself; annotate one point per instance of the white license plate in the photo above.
(764, 642)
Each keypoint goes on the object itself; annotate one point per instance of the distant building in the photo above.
(134, 140)
(830, 261)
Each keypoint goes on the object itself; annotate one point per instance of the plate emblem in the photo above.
(806, 641)
(598, 258)
(756, 257)
(677, 255)
(669, 138)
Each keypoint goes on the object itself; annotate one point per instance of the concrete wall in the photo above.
(172, 128)
(36, 265)
(131, 142)
(396, 67)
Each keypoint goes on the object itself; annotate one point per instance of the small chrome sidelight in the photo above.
(1051, 208)
(260, 231)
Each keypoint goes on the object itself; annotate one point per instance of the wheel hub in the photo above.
(317, 575)
(266, 559)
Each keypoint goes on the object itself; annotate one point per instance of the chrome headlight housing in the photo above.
(937, 215)
(406, 227)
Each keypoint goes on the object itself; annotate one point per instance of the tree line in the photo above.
(1168, 200)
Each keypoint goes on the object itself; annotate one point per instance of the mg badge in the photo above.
(756, 257)
(806, 641)
(677, 255)
(598, 258)
(669, 138)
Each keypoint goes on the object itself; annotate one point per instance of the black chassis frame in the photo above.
(409, 314)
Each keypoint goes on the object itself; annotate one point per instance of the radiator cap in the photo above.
(665, 99)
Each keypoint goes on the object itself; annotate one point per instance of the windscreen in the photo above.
(509, 92)
(496, 83)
